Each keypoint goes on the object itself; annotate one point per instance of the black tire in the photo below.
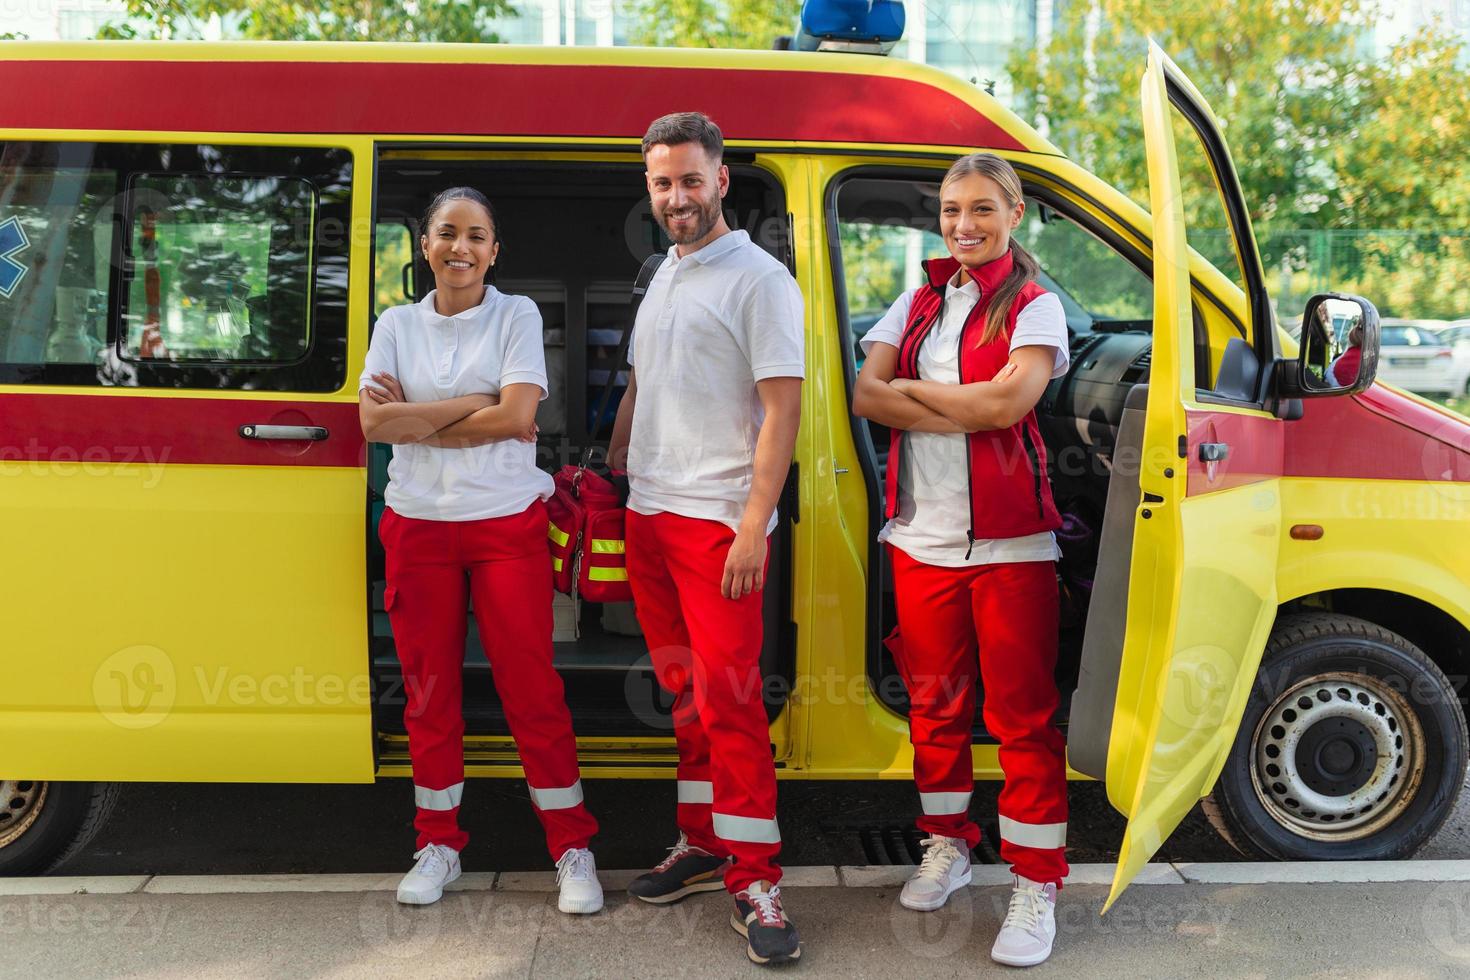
(59, 819)
(1311, 655)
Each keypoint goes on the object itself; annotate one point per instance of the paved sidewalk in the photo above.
(1402, 920)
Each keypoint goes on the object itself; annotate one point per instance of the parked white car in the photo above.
(1457, 334)
(1413, 355)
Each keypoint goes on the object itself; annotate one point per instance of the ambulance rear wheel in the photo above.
(42, 825)
(1352, 747)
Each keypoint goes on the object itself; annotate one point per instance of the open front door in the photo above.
(1202, 575)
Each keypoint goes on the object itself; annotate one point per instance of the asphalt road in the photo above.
(245, 829)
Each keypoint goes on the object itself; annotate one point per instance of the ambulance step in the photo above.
(900, 844)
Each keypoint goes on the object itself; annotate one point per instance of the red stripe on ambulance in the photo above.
(138, 428)
(512, 100)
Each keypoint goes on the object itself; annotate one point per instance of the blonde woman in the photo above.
(955, 369)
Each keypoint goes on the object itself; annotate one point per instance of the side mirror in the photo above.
(1339, 347)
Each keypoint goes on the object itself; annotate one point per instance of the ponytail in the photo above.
(1023, 270)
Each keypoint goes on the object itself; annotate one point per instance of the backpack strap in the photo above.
(640, 287)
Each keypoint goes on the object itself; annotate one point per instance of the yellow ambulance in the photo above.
(1266, 571)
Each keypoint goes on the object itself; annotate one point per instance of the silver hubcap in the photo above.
(21, 802)
(1337, 757)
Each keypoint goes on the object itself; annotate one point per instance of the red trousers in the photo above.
(998, 623)
(434, 567)
(706, 652)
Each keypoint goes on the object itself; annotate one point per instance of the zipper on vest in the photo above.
(969, 436)
(1035, 466)
(920, 334)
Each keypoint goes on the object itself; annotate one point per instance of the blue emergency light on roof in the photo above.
(862, 26)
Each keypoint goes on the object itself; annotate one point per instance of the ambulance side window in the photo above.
(56, 238)
(1235, 306)
(212, 272)
(1099, 289)
(887, 224)
(174, 265)
(885, 227)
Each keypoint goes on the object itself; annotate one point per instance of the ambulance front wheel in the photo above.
(1352, 747)
(44, 824)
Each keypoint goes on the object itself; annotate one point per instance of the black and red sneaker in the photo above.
(770, 937)
(686, 870)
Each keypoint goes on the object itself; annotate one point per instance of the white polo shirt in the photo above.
(435, 357)
(933, 521)
(711, 325)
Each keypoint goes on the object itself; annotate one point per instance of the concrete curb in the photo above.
(271, 884)
(1325, 872)
(91, 885)
(813, 876)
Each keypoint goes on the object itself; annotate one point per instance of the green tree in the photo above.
(1403, 162)
(158, 20)
(1325, 136)
(331, 20)
(1276, 72)
(872, 257)
(711, 23)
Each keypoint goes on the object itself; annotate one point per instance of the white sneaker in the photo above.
(437, 866)
(944, 871)
(576, 875)
(1031, 924)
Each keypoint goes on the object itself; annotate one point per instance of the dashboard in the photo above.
(1080, 413)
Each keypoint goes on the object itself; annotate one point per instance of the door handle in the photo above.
(1213, 452)
(305, 433)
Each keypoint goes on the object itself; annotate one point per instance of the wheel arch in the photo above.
(1433, 624)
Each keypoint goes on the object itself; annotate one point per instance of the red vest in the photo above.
(1345, 368)
(1010, 494)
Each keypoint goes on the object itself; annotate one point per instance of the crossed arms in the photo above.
(932, 406)
(452, 423)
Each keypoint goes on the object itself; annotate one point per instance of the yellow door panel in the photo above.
(179, 622)
(1206, 532)
(1186, 678)
(183, 469)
